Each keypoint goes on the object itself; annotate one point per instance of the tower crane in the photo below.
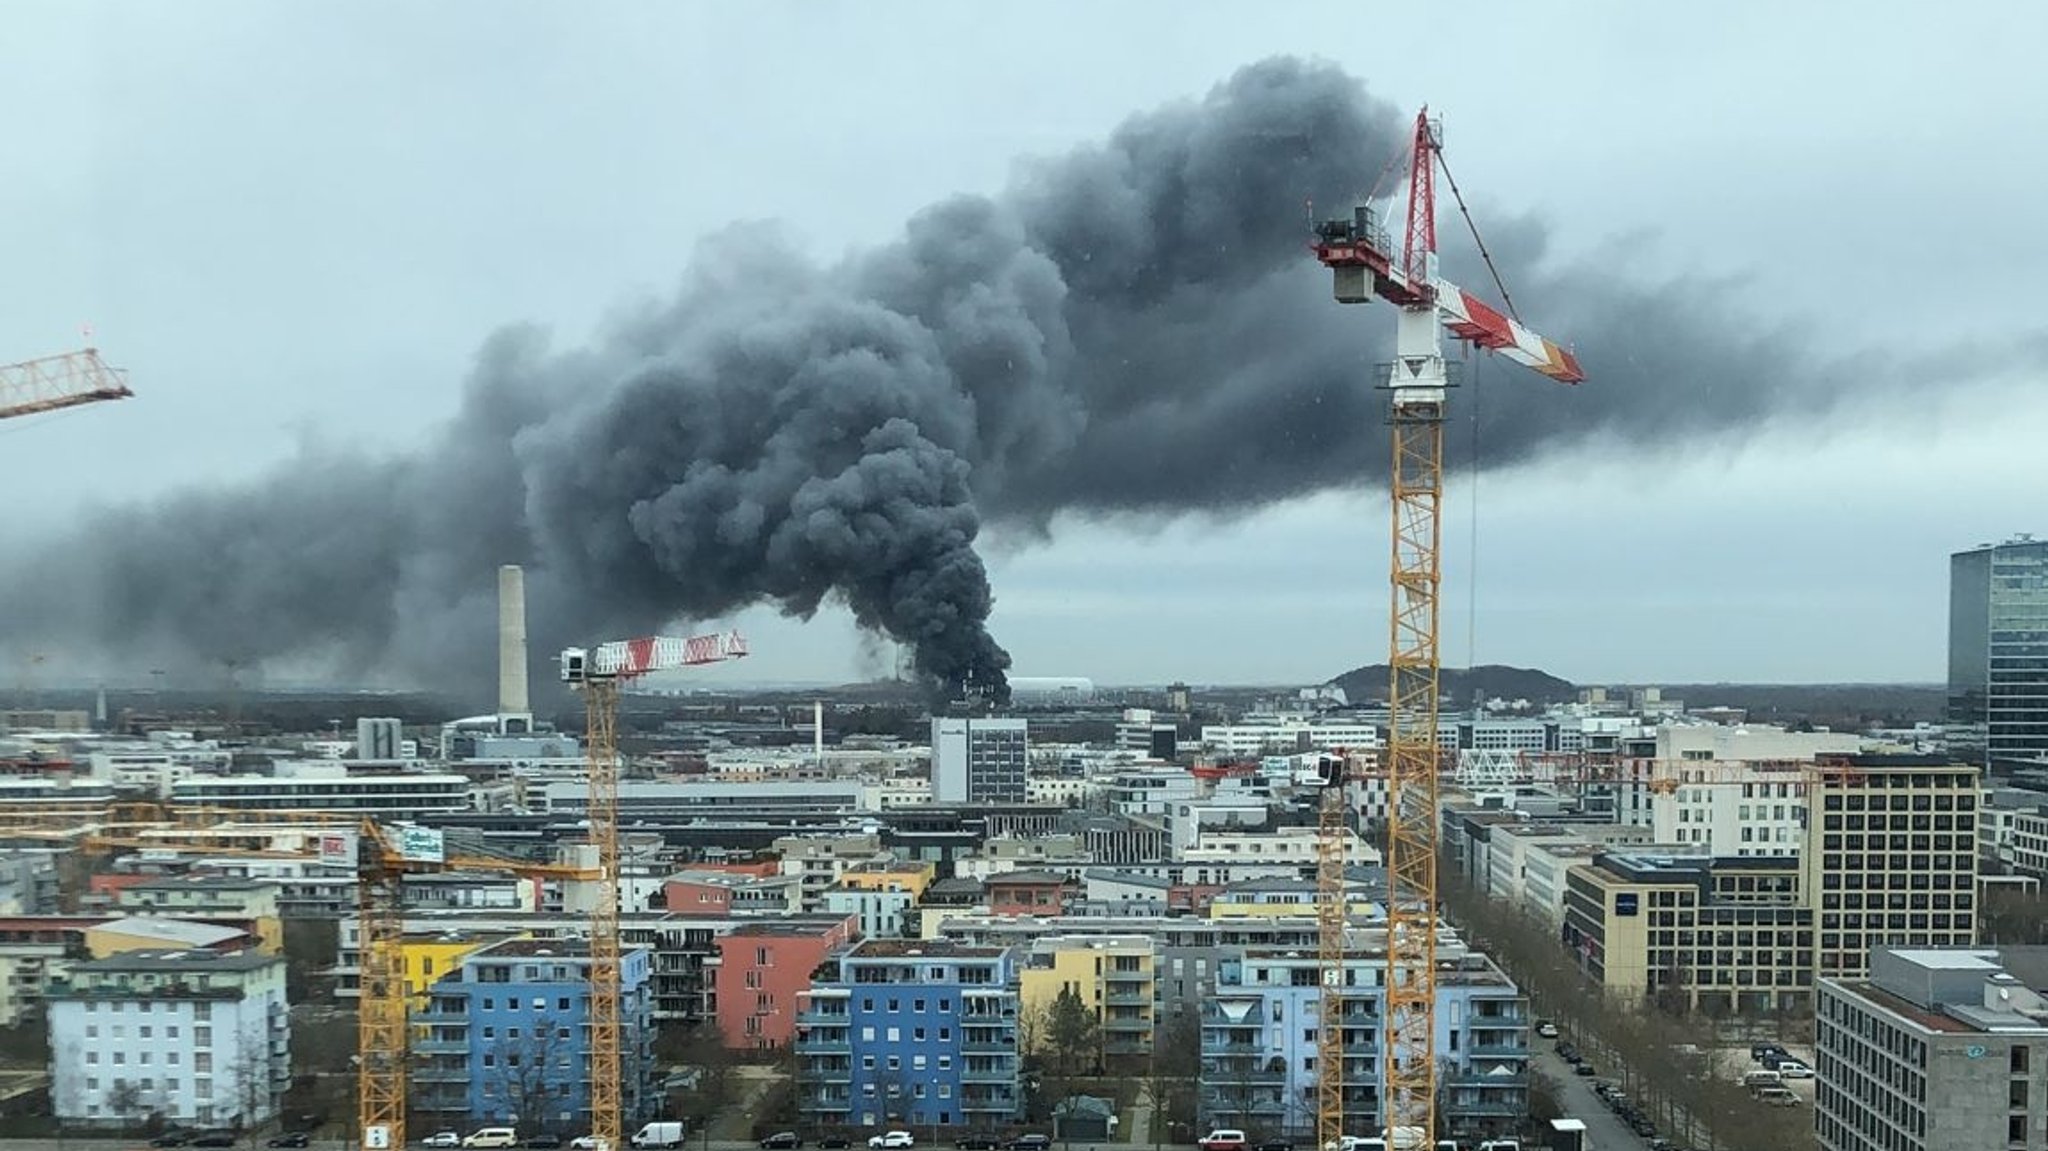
(53, 382)
(1365, 266)
(599, 673)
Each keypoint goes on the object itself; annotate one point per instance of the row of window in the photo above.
(201, 1060)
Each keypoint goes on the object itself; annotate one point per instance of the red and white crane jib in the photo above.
(629, 658)
(1475, 322)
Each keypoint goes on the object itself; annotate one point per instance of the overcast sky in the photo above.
(297, 223)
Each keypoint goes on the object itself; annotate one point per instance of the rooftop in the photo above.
(535, 948)
(781, 927)
(180, 960)
(184, 933)
(1023, 878)
(926, 948)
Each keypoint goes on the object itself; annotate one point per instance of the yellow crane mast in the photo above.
(599, 673)
(1365, 267)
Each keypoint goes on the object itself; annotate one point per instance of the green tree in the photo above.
(1073, 1036)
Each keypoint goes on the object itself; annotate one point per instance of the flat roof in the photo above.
(179, 959)
(1931, 1020)
(925, 948)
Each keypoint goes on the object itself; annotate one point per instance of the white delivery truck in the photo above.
(659, 1135)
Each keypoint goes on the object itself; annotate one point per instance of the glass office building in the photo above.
(1998, 648)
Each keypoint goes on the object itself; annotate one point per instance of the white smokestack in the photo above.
(512, 641)
(818, 732)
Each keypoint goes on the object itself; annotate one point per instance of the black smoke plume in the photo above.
(1132, 328)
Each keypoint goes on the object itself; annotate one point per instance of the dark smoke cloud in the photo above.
(1133, 328)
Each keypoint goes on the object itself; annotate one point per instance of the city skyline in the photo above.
(293, 265)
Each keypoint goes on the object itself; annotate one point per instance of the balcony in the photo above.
(1516, 1050)
(1128, 999)
(1486, 1107)
(1470, 1079)
(823, 1019)
(1127, 1023)
(1006, 1045)
(440, 1045)
(988, 1075)
(816, 1046)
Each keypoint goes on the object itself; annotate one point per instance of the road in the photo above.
(97, 1144)
(1603, 1129)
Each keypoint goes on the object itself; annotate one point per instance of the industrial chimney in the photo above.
(515, 714)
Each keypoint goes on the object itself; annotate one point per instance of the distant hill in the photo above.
(1456, 685)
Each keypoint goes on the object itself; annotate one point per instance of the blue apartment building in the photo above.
(919, 1033)
(504, 1039)
(1259, 1038)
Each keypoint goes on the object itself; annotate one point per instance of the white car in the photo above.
(892, 1140)
(1793, 1069)
(584, 1143)
(1546, 1030)
(442, 1139)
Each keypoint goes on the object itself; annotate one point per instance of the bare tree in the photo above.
(126, 1102)
(1171, 1082)
(531, 1071)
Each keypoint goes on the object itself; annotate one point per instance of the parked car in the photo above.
(1545, 1029)
(1030, 1141)
(442, 1139)
(290, 1139)
(1222, 1139)
(1585, 1070)
(782, 1141)
(492, 1137)
(1758, 1052)
(171, 1139)
(979, 1141)
(215, 1139)
(544, 1142)
(1793, 1069)
(835, 1142)
(1273, 1145)
(1778, 1097)
(892, 1140)
(583, 1143)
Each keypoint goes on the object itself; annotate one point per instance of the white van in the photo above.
(659, 1135)
(1758, 1080)
(492, 1137)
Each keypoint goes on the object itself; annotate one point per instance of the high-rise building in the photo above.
(1998, 647)
(1937, 1049)
(979, 760)
(1890, 858)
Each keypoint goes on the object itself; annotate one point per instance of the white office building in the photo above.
(976, 760)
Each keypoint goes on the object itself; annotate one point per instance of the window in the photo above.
(490, 1004)
(895, 1063)
(92, 1031)
(92, 1057)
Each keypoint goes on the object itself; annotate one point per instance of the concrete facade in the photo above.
(1935, 1049)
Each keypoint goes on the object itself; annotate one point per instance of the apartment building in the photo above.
(1112, 974)
(1936, 1048)
(504, 1039)
(1259, 1034)
(763, 968)
(1748, 808)
(1891, 857)
(906, 1033)
(198, 1037)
